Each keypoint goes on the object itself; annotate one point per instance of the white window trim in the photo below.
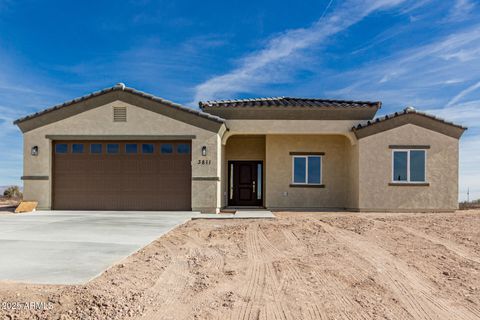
(306, 170)
(408, 166)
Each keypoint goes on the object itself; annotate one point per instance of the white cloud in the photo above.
(269, 64)
(461, 10)
(463, 94)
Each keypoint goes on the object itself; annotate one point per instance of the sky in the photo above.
(421, 53)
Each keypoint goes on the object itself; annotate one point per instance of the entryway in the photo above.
(245, 183)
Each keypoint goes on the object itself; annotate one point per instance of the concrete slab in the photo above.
(72, 247)
(239, 214)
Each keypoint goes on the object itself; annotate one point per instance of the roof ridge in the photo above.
(241, 100)
(120, 87)
(401, 113)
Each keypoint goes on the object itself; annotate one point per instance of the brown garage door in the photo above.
(122, 175)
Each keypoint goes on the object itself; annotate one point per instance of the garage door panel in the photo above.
(122, 181)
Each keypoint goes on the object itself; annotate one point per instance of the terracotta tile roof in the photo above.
(290, 102)
(121, 87)
(408, 110)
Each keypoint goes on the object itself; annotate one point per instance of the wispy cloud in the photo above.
(269, 64)
(434, 78)
(463, 94)
(425, 75)
(461, 10)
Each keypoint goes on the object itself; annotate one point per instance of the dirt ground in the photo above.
(299, 266)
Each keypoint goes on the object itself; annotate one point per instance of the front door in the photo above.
(245, 183)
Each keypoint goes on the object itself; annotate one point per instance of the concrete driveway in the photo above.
(72, 247)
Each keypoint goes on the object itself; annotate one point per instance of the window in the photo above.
(77, 148)
(131, 148)
(183, 148)
(166, 148)
(112, 148)
(409, 166)
(96, 148)
(147, 148)
(61, 148)
(307, 170)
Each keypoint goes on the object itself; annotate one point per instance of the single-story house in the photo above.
(123, 149)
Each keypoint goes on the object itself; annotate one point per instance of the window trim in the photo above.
(172, 151)
(131, 153)
(142, 151)
(79, 144)
(177, 145)
(408, 181)
(66, 152)
(119, 150)
(306, 183)
(96, 153)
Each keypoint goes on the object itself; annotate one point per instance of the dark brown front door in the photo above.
(245, 183)
(122, 175)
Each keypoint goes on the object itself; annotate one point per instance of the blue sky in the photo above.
(423, 53)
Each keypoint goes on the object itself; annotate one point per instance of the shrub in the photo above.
(13, 192)
(475, 204)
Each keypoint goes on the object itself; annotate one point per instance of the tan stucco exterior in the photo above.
(99, 122)
(280, 194)
(375, 172)
(356, 165)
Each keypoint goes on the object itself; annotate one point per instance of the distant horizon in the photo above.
(400, 52)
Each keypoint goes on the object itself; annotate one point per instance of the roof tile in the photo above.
(289, 102)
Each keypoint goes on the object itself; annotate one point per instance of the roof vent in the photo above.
(120, 86)
(119, 114)
(409, 109)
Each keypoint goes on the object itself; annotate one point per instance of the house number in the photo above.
(204, 162)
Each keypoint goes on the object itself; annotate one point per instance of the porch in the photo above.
(258, 172)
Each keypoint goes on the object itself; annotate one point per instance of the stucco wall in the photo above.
(352, 186)
(99, 121)
(375, 172)
(279, 194)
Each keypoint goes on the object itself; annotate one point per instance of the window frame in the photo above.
(78, 144)
(96, 144)
(107, 152)
(172, 150)
(131, 144)
(143, 152)
(306, 183)
(62, 144)
(189, 151)
(408, 181)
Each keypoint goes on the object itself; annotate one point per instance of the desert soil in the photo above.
(299, 266)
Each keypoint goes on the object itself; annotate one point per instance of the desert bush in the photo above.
(13, 192)
(475, 204)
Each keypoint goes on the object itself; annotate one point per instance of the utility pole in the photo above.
(468, 194)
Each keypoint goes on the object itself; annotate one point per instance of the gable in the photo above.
(124, 94)
(396, 120)
(100, 123)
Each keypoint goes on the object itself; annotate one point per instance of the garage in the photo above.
(121, 175)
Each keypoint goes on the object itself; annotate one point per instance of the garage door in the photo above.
(122, 175)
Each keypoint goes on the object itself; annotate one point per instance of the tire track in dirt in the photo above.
(416, 293)
(457, 249)
(169, 286)
(331, 286)
(214, 262)
(263, 301)
(172, 284)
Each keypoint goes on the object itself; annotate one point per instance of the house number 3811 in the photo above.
(204, 162)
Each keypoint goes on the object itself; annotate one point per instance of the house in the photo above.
(122, 149)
